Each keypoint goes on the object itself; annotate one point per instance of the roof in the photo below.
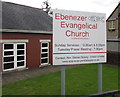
(20, 17)
(114, 11)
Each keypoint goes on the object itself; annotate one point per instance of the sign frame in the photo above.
(78, 37)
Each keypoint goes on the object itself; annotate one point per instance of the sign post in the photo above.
(63, 81)
(79, 38)
(99, 78)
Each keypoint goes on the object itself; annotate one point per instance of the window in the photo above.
(14, 55)
(112, 25)
(20, 55)
(44, 52)
(8, 56)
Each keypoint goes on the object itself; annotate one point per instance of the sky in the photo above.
(100, 6)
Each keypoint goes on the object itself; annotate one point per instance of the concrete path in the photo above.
(13, 76)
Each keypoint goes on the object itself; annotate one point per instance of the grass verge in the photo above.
(81, 80)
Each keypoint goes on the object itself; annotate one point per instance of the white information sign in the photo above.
(78, 37)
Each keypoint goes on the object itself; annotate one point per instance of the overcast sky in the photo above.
(102, 6)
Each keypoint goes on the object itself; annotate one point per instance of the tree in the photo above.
(46, 6)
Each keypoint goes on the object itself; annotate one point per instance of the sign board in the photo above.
(78, 37)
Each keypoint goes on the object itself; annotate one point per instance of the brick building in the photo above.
(26, 37)
(113, 36)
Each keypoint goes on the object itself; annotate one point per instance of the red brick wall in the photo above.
(1, 57)
(32, 47)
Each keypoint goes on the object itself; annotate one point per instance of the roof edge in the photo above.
(19, 4)
(113, 11)
(26, 31)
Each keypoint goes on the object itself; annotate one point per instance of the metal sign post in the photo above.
(62, 81)
(99, 78)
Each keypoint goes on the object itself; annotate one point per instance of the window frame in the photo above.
(45, 53)
(22, 55)
(48, 43)
(14, 55)
(8, 56)
(112, 24)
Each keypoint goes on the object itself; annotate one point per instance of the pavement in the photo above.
(13, 76)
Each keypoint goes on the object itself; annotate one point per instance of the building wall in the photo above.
(113, 58)
(113, 46)
(113, 42)
(113, 34)
(33, 46)
(119, 22)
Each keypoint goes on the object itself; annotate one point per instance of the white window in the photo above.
(112, 24)
(14, 56)
(44, 53)
(8, 56)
